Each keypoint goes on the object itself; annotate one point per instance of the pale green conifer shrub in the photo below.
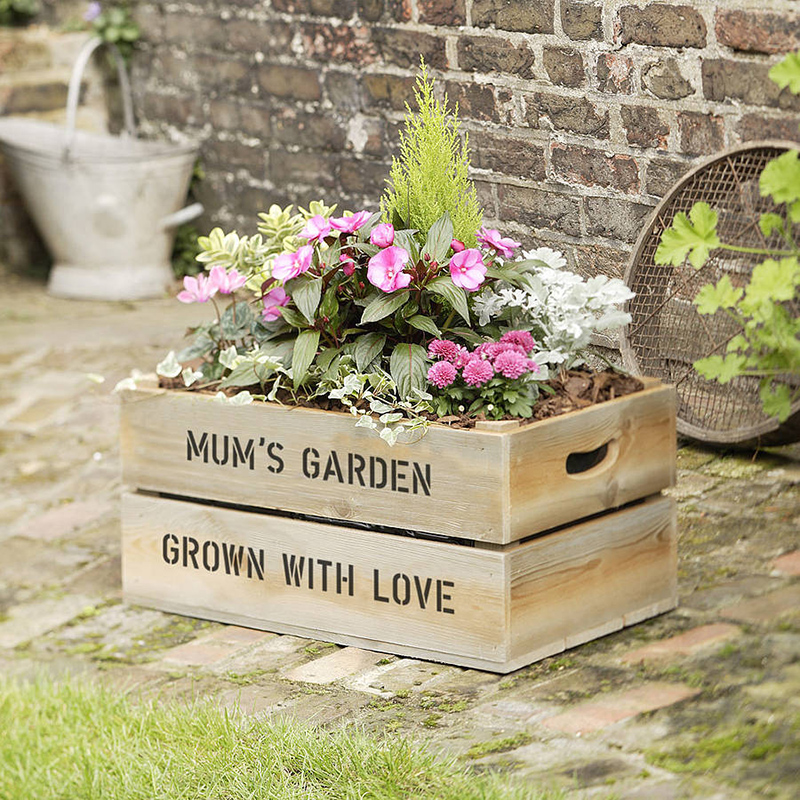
(431, 176)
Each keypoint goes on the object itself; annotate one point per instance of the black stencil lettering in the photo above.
(374, 483)
(420, 480)
(169, 548)
(293, 569)
(255, 562)
(193, 448)
(221, 460)
(354, 468)
(376, 595)
(243, 456)
(273, 446)
(211, 566)
(190, 548)
(310, 466)
(398, 476)
(232, 558)
(333, 468)
(401, 598)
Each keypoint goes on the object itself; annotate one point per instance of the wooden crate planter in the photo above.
(526, 540)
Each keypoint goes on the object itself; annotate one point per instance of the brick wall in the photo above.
(580, 113)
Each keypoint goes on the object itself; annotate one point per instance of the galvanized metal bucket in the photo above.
(106, 206)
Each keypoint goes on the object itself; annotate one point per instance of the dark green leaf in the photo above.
(467, 334)
(306, 291)
(406, 239)
(422, 323)
(367, 348)
(305, 348)
(293, 317)
(454, 295)
(408, 368)
(238, 324)
(504, 274)
(383, 305)
(439, 237)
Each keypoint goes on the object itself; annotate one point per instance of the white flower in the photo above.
(553, 258)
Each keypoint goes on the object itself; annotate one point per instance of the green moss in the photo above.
(431, 721)
(504, 745)
(247, 678)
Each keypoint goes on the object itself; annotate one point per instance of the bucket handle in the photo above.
(73, 94)
(186, 214)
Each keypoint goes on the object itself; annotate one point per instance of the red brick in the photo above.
(442, 12)
(314, 131)
(661, 174)
(364, 178)
(338, 43)
(305, 168)
(760, 126)
(495, 54)
(514, 15)
(644, 127)
(619, 706)
(297, 83)
(787, 564)
(665, 80)
(765, 608)
(403, 48)
(581, 20)
(662, 25)
(685, 644)
(576, 115)
(701, 134)
(508, 155)
(475, 101)
(589, 167)
(744, 81)
(564, 66)
(615, 73)
(756, 32)
(538, 208)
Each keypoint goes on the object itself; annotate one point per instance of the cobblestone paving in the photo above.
(698, 703)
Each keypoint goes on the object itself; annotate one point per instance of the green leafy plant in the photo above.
(115, 25)
(767, 345)
(431, 175)
(17, 12)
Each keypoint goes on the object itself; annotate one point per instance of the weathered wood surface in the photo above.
(485, 607)
(482, 485)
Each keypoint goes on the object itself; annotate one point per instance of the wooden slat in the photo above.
(470, 624)
(593, 578)
(485, 485)
(486, 607)
(640, 460)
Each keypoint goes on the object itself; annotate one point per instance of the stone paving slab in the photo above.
(654, 704)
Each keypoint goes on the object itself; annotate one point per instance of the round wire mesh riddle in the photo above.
(666, 334)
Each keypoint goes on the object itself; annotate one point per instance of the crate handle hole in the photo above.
(589, 461)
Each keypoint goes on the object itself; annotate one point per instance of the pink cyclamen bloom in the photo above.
(477, 372)
(350, 224)
(348, 265)
(273, 301)
(442, 374)
(316, 228)
(522, 338)
(385, 269)
(456, 246)
(467, 269)
(511, 364)
(93, 11)
(226, 282)
(197, 290)
(444, 348)
(492, 238)
(382, 235)
(290, 265)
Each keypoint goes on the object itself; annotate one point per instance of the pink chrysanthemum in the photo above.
(533, 366)
(477, 372)
(465, 357)
(493, 349)
(444, 348)
(442, 374)
(522, 338)
(511, 364)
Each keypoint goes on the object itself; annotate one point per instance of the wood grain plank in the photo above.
(449, 599)
(594, 577)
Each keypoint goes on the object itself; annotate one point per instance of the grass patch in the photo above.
(83, 742)
(499, 745)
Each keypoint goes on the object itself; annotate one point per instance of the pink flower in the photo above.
(511, 364)
(444, 348)
(316, 228)
(492, 238)
(290, 265)
(533, 366)
(465, 357)
(522, 338)
(477, 372)
(226, 282)
(456, 246)
(348, 265)
(467, 269)
(197, 290)
(382, 235)
(350, 224)
(442, 374)
(493, 349)
(385, 269)
(273, 301)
